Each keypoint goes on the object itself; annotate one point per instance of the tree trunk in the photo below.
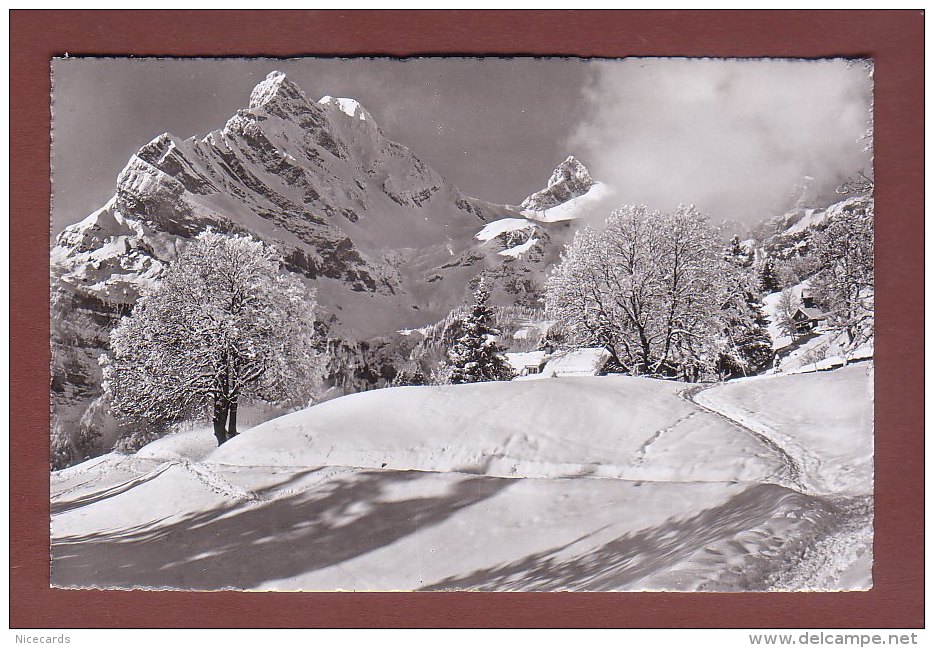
(220, 419)
(232, 425)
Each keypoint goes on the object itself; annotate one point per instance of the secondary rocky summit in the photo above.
(569, 180)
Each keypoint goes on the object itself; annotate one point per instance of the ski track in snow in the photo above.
(833, 548)
(790, 474)
(216, 483)
(206, 476)
(639, 457)
(59, 504)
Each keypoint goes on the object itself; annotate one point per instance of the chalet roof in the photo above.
(520, 361)
(587, 361)
(810, 313)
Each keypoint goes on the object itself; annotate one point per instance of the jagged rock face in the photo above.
(110, 258)
(320, 180)
(569, 180)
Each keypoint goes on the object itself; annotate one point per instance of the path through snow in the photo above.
(840, 551)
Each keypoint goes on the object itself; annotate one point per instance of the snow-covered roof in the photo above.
(811, 313)
(520, 361)
(578, 362)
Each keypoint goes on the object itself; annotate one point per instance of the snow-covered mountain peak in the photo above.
(570, 179)
(571, 170)
(387, 242)
(156, 152)
(350, 107)
(277, 89)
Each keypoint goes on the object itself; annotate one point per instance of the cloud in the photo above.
(733, 137)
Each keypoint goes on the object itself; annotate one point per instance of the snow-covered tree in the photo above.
(768, 277)
(476, 356)
(788, 304)
(796, 268)
(223, 326)
(746, 347)
(844, 286)
(409, 377)
(649, 287)
(858, 184)
(737, 254)
(63, 450)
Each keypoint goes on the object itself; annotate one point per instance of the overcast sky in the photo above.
(732, 137)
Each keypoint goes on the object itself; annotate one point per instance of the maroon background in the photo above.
(893, 38)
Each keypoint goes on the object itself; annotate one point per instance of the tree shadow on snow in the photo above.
(242, 546)
(620, 563)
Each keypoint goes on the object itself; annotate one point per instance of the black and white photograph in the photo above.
(471, 324)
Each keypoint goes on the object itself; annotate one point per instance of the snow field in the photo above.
(354, 529)
(518, 250)
(824, 420)
(498, 227)
(598, 483)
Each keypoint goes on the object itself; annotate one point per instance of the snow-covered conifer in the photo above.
(738, 255)
(476, 356)
(223, 326)
(746, 347)
(768, 277)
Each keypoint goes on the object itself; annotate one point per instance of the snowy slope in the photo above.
(518, 250)
(811, 218)
(509, 429)
(834, 461)
(502, 226)
(818, 351)
(838, 454)
(604, 483)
